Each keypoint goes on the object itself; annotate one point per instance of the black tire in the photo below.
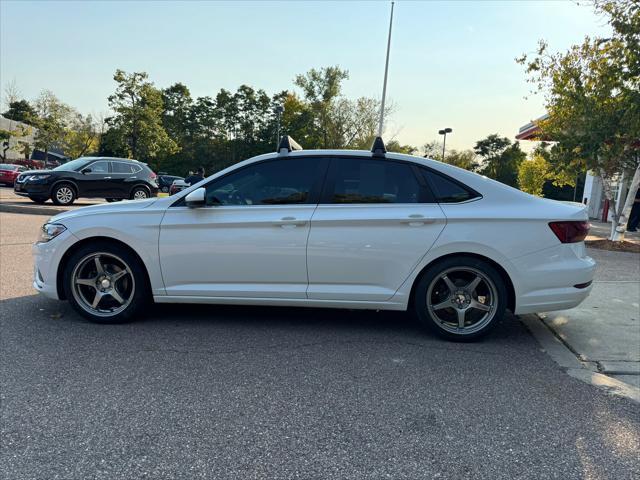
(140, 293)
(137, 192)
(38, 200)
(111, 200)
(63, 194)
(445, 321)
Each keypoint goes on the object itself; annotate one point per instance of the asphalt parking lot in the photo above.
(236, 392)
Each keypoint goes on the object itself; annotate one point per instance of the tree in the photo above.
(21, 111)
(532, 175)
(138, 108)
(82, 137)
(500, 158)
(592, 95)
(53, 119)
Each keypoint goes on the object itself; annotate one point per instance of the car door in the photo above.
(122, 174)
(250, 239)
(376, 220)
(94, 179)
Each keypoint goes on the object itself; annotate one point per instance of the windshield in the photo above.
(6, 166)
(73, 165)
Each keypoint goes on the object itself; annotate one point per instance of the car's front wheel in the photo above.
(106, 283)
(63, 194)
(460, 298)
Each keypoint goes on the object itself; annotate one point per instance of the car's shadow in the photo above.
(222, 324)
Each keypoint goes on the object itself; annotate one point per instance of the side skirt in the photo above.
(281, 302)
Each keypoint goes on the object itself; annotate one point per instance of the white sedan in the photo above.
(326, 228)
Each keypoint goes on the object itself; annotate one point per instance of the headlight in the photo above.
(38, 177)
(50, 231)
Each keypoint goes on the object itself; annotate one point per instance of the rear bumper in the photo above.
(548, 278)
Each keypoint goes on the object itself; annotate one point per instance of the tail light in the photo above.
(570, 232)
(153, 175)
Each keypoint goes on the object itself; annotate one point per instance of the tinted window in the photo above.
(121, 167)
(372, 181)
(99, 167)
(448, 190)
(278, 182)
(6, 166)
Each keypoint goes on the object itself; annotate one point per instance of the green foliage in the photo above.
(81, 138)
(139, 108)
(53, 117)
(500, 159)
(21, 111)
(462, 158)
(532, 175)
(592, 94)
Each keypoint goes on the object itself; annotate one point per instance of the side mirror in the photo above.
(196, 198)
(85, 170)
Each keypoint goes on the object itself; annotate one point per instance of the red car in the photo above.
(9, 172)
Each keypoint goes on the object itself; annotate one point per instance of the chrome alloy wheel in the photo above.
(102, 284)
(462, 300)
(64, 194)
(140, 195)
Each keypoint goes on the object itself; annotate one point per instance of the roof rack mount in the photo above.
(378, 149)
(287, 144)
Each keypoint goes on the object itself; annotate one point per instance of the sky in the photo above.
(452, 62)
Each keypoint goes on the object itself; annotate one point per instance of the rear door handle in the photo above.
(290, 222)
(106, 178)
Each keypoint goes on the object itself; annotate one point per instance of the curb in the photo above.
(568, 361)
(31, 210)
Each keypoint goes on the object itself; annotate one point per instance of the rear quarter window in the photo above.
(447, 189)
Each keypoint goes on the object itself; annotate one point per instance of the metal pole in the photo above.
(278, 133)
(386, 70)
(444, 142)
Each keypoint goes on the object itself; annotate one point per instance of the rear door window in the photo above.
(361, 180)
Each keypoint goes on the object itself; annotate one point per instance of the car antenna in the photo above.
(378, 149)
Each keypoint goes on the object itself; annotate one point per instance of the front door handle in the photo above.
(289, 222)
(417, 220)
(106, 178)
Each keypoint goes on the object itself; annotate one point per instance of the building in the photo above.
(14, 150)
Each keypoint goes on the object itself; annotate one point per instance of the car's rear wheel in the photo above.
(105, 283)
(140, 193)
(460, 298)
(63, 194)
(38, 200)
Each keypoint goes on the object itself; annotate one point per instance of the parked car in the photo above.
(110, 178)
(29, 163)
(9, 172)
(177, 186)
(326, 228)
(165, 181)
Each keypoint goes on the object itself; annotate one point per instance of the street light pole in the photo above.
(444, 141)
(279, 110)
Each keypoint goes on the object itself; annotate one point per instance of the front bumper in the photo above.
(47, 257)
(31, 189)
